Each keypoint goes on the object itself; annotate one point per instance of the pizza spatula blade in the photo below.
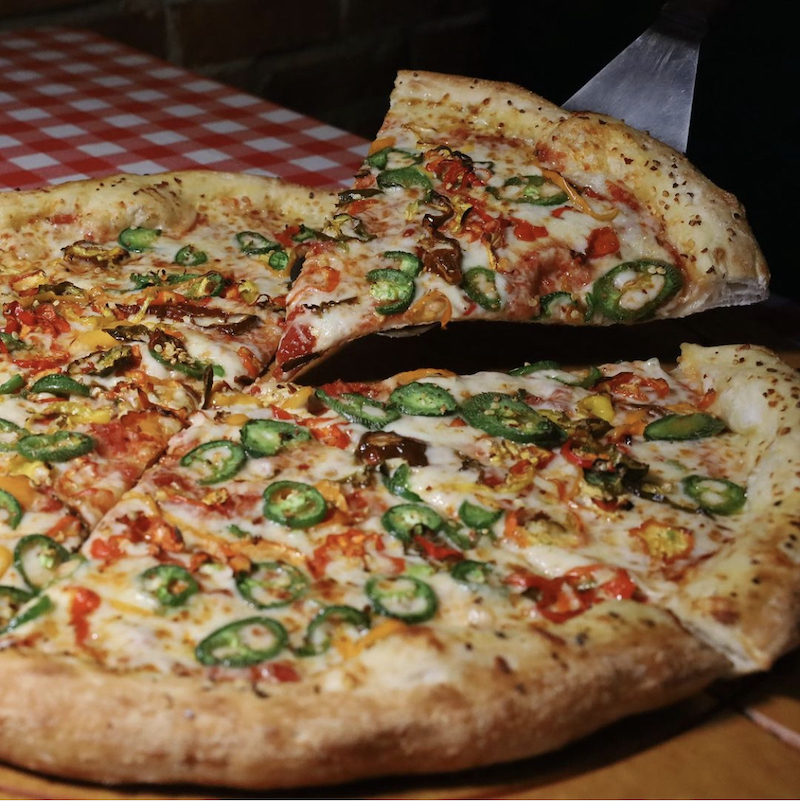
(650, 84)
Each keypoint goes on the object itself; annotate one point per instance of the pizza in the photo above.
(214, 573)
(483, 201)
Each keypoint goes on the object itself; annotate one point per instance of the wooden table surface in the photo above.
(74, 105)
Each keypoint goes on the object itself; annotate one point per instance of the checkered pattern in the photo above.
(75, 105)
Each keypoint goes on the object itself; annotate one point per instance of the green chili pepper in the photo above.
(171, 352)
(534, 189)
(716, 495)
(9, 434)
(405, 598)
(14, 384)
(357, 408)
(103, 362)
(407, 263)
(500, 415)
(294, 504)
(207, 285)
(425, 400)
(279, 260)
(566, 306)
(327, 623)
(405, 177)
(10, 342)
(37, 558)
(138, 239)
(268, 437)
(15, 609)
(400, 158)
(215, 461)
(243, 643)
(408, 520)
(305, 234)
(468, 571)
(393, 289)
(632, 291)
(12, 508)
(170, 585)
(678, 427)
(252, 243)
(478, 518)
(60, 384)
(144, 280)
(190, 256)
(553, 371)
(58, 447)
(480, 286)
(271, 584)
(345, 226)
(397, 484)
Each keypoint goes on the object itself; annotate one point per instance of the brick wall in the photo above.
(331, 59)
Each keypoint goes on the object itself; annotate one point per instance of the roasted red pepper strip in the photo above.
(84, 602)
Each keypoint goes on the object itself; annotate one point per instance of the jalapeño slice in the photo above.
(215, 461)
(10, 432)
(58, 447)
(425, 400)
(480, 285)
(469, 571)
(478, 518)
(328, 625)
(679, 427)
(267, 437)
(243, 643)
(407, 263)
(405, 598)
(37, 558)
(533, 189)
(12, 508)
(170, 585)
(357, 408)
(59, 384)
(500, 415)
(634, 290)
(294, 504)
(251, 243)
(409, 519)
(552, 370)
(171, 352)
(716, 495)
(19, 606)
(271, 584)
(397, 484)
(138, 239)
(190, 256)
(393, 289)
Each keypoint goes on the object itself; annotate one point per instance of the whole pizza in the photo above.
(216, 571)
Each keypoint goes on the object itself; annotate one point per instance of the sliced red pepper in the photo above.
(434, 550)
(602, 242)
(527, 232)
(297, 342)
(84, 602)
(635, 386)
(576, 457)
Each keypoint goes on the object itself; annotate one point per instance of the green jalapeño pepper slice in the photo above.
(405, 598)
(407, 520)
(405, 177)
(330, 624)
(215, 461)
(271, 584)
(392, 157)
(468, 571)
(480, 286)
(18, 607)
(566, 306)
(534, 189)
(10, 505)
(171, 352)
(170, 585)
(357, 408)
(251, 243)
(634, 290)
(679, 427)
(60, 384)
(500, 415)
(9, 435)
(58, 447)
(397, 484)
(14, 384)
(190, 256)
(138, 239)
(243, 643)
(407, 263)
(478, 518)
(553, 371)
(207, 285)
(37, 558)
(425, 400)
(393, 289)
(294, 504)
(716, 495)
(268, 437)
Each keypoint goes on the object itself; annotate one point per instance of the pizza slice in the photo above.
(482, 201)
(482, 567)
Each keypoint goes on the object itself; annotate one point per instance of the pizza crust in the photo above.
(416, 702)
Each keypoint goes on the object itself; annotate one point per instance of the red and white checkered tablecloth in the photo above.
(76, 105)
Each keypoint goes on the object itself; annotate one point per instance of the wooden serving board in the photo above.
(738, 739)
